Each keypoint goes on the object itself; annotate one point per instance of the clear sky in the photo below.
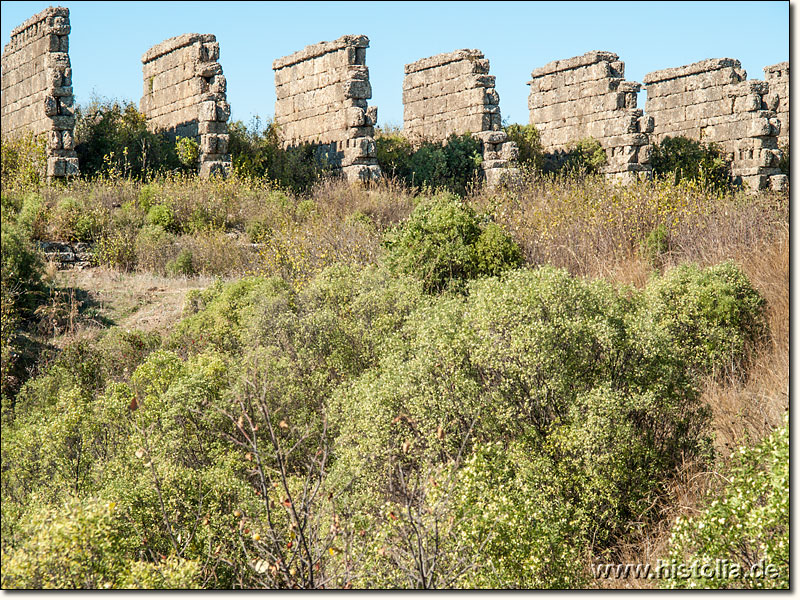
(109, 38)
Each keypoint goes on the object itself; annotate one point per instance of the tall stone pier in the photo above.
(185, 95)
(322, 94)
(713, 101)
(777, 77)
(37, 88)
(453, 93)
(587, 96)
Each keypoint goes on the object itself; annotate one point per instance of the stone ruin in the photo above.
(37, 88)
(453, 93)
(587, 96)
(777, 77)
(713, 101)
(184, 95)
(322, 94)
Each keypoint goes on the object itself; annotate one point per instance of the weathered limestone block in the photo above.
(453, 93)
(777, 77)
(321, 98)
(37, 87)
(713, 101)
(587, 96)
(184, 95)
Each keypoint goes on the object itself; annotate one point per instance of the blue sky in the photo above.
(109, 38)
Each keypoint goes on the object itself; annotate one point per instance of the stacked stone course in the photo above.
(322, 94)
(453, 93)
(713, 101)
(587, 96)
(185, 95)
(777, 77)
(37, 87)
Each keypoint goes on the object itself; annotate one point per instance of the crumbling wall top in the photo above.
(21, 35)
(50, 11)
(590, 58)
(443, 59)
(703, 66)
(781, 66)
(172, 44)
(314, 50)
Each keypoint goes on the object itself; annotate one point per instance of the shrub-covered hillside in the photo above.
(396, 385)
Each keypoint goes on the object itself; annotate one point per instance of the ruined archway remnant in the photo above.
(587, 96)
(453, 93)
(777, 77)
(322, 94)
(185, 95)
(37, 87)
(713, 101)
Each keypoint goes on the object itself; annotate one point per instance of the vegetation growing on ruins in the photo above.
(390, 385)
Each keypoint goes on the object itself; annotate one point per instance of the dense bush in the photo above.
(746, 524)
(453, 165)
(112, 139)
(682, 158)
(257, 152)
(394, 153)
(23, 160)
(444, 243)
(528, 139)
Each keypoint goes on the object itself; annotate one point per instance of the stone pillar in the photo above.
(322, 94)
(587, 96)
(185, 95)
(453, 93)
(37, 87)
(777, 77)
(713, 101)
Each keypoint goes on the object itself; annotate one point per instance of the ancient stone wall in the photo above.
(713, 101)
(587, 96)
(453, 93)
(184, 95)
(322, 94)
(37, 87)
(777, 77)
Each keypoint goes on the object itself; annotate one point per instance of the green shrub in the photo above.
(23, 160)
(22, 267)
(444, 244)
(712, 316)
(153, 248)
(585, 156)
(163, 216)
(394, 154)
(112, 139)
(655, 245)
(188, 151)
(182, 265)
(117, 249)
(528, 139)
(86, 544)
(453, 166)
(746, 524)
(260, 153)
(682, 158)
